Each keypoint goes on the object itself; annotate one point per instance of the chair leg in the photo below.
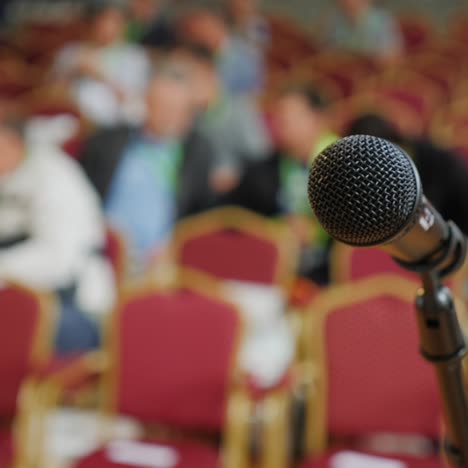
(236, 453)
(276, 430)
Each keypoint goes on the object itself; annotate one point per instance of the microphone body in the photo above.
(365, 191)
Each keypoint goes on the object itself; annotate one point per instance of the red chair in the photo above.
(417, 31)
(369, 377)
(411, 88)
(401, 114)
(349, 264)
(172, 364)
(234, 244)
(26, 337)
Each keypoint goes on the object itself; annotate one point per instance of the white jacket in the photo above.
(49, 199)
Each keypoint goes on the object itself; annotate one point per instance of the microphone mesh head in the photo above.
(363, 190)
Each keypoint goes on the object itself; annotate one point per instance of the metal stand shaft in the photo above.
(444, 346)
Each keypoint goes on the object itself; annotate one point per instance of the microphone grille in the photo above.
(363, 190)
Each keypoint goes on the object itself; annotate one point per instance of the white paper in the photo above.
(142, 454)
(260, 303)
(358, 460)
(73, 433)
(268, 348)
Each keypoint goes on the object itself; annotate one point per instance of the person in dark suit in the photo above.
(149, 177)
(444, 175)
(276, 186)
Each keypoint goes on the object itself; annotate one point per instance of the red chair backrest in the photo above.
(231, 254)
(353, 264)
(377, 379)
(23, 341)
(175, 358)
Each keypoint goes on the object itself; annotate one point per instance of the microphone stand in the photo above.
(443, 344)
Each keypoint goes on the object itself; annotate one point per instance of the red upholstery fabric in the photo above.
(191, 456)
(377, 381)
(232, 255)
(176, 353)
(433, 462)
(20, 314)
(410, 97)
(6, 449)
(366, 262)
(371, 261)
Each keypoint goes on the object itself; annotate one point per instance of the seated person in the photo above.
(248, 23)
(240, 63)
(232, 124)
(149, 25)
(151, 175)
(52, 235)
(443, 174)
(363, 28)
(107, 76)
(278, 185)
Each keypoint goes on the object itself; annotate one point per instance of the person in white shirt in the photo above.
(107, 76)
(52, 235)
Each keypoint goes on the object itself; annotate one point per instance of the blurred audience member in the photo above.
(248, 23)
(149, 176)
(232, 124)
(361, 27)
(107, 75)
(277, 185)
(444, 176)
(149, 25)
(240, 63)
(52, 235)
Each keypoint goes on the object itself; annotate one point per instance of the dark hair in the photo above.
(309, 92)
(94, 8)
(373, 125)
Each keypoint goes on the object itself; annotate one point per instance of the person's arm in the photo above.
(65, 227)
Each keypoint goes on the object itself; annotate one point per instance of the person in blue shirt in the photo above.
(150, 176)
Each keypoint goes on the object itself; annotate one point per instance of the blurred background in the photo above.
(168, 298)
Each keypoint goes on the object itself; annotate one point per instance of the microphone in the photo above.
(366, 191)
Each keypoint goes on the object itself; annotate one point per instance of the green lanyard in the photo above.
(294, 175)
(135, 31)
(293, 179)
(166, 161)
(214, 113)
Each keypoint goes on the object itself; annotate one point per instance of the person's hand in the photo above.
(224, 180)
